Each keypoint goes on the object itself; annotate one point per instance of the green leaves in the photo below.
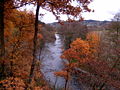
(73, 61)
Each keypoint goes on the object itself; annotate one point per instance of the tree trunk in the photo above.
(2, 46)
(34, 46)
(66, 82)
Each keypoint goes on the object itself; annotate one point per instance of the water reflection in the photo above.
(52, 62)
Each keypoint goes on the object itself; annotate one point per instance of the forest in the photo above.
(75, 54)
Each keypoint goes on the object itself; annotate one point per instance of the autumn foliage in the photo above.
(93, 39)
(12, 83)
(78, 51)
(20, 35)
(18, 42)
(84, 60)
(19, 31)
(82, 50)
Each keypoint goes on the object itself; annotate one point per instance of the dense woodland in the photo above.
(91, 52)
(93, 55)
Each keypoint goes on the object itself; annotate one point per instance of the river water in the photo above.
(51, 62)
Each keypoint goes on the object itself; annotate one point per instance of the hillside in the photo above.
(86, 22)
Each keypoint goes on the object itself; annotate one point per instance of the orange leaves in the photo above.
(40, 36)
(19, 31)
(93, 39)
(58, 7)
(82, 51)
(69, 54)
(80, 46)
(62, 74)
(78, 52)
(12, 83)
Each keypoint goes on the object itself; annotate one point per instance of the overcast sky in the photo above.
(104, 10)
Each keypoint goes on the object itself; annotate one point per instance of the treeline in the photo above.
(72, 30)
(21, 35)
(20, 38)
(92, 56)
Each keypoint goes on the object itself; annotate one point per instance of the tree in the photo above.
(91, 69)
(56, 7)
(114, 34)
(19, 32)
(18, 37)
(6, 7)
(76, 55)
(113, 39)
(93, 39)
(34, 46)
(2, 48)
(78, 52)
(72, 30)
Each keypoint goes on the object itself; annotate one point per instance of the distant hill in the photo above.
(95, 22)
(86, 22)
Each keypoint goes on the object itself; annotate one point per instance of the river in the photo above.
(51, 62)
